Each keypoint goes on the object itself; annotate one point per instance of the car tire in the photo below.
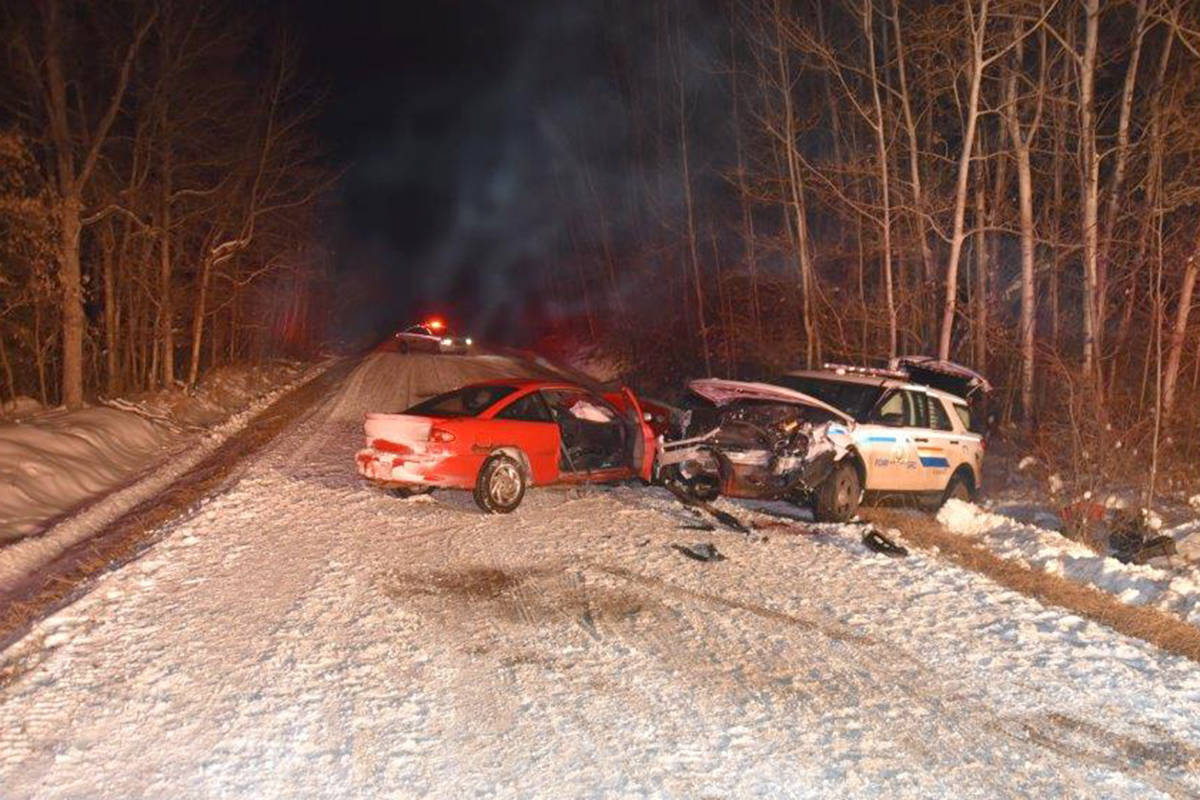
(404, 347)
(701, 487)
(403, 492)
(500, 486)
(837, 498)
(957, 488)
(704, 488)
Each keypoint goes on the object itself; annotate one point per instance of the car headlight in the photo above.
(469, 342)
(447, 342)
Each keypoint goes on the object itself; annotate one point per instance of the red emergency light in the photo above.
(436, 324)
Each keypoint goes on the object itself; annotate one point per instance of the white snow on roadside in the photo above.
(77, 455)
(57, 460)
(1177, 592)
(304, 635)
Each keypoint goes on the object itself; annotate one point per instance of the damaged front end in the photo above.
(754, 440)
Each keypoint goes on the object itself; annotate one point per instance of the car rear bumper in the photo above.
(413, 469)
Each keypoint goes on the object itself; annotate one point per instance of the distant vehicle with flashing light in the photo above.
(431, 336)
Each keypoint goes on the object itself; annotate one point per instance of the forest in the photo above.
(159, 185)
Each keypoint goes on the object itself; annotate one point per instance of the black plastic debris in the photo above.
(698, 526)
(728, 520)
(701, 551)
(874, 540)
(723, 517)
(1159, 546)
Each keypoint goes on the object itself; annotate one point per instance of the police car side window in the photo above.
(914, 412)
(939, 420)
(891, 410)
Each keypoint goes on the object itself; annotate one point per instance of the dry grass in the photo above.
(1148, 624)
(68, 576)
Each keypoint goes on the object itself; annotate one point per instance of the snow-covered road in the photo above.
(303, 635)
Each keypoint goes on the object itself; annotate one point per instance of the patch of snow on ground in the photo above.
(68, 458)
(1177, 592)
(19, 406)
(55, 461)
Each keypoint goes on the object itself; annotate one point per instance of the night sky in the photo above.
(447, 117)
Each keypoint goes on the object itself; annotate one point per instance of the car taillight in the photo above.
(440, 435)
(390, 447)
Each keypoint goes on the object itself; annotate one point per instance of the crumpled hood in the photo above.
(721, 392)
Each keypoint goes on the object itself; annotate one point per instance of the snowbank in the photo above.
(1174, 591)
(19, 406)
(56, 461)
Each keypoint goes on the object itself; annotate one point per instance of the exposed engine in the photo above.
(754, 447)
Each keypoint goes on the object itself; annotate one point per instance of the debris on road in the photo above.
(876, 541)
(723, 517)
(701, 551)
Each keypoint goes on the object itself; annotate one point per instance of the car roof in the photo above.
(873, 380)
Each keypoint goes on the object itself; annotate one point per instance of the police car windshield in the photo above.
(856, 399)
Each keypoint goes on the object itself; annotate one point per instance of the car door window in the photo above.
(916, 415)
(939, 420)
(530, 408)
(593, 436)
(965, 417)
(892, 410)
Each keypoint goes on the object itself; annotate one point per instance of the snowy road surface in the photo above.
(304, 635)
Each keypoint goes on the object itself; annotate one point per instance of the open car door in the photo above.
(641, 439)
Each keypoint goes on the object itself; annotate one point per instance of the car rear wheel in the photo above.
(500, 486)
(956, 489)
(837, 499)
(409, 491)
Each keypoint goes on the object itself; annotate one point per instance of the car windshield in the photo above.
(419, 329)
(469, 401)
(856, 399)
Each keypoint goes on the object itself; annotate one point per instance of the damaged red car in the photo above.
(500, 437)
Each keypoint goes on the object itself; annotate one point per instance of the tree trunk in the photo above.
(796, 190)
(165, 309)
(70, 229)
(1021, 141)
(884, 187)
(198, 320)
(1175, 351)
(108, 277)
(964, 171)
(980, 283)
(914, 170)
(694, 259)
(1090, 180)
(1118, 174)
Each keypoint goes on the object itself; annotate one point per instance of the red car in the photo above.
(502, 436)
